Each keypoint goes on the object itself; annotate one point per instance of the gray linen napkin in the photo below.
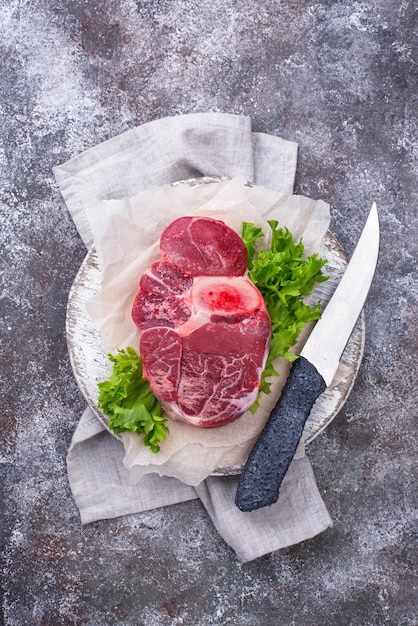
(156, 153)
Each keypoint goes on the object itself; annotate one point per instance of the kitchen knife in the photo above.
(311, 373)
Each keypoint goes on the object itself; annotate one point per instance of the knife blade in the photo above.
(312, 372)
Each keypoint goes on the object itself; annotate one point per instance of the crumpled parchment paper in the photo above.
(126, 233)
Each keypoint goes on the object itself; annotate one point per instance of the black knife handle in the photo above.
(270, 457)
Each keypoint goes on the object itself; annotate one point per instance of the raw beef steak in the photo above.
(205, 330)
(202, 246)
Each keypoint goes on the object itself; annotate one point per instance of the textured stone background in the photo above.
(338, 77)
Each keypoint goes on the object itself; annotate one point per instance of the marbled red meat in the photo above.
(203, 246)
(205, 330)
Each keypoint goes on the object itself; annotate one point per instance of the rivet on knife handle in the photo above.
(270, 458)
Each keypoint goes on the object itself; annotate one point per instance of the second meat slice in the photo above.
(205, 330)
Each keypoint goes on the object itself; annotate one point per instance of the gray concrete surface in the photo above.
(340, 78)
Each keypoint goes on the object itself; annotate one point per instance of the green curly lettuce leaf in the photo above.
(127, 399)
(284, 278)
